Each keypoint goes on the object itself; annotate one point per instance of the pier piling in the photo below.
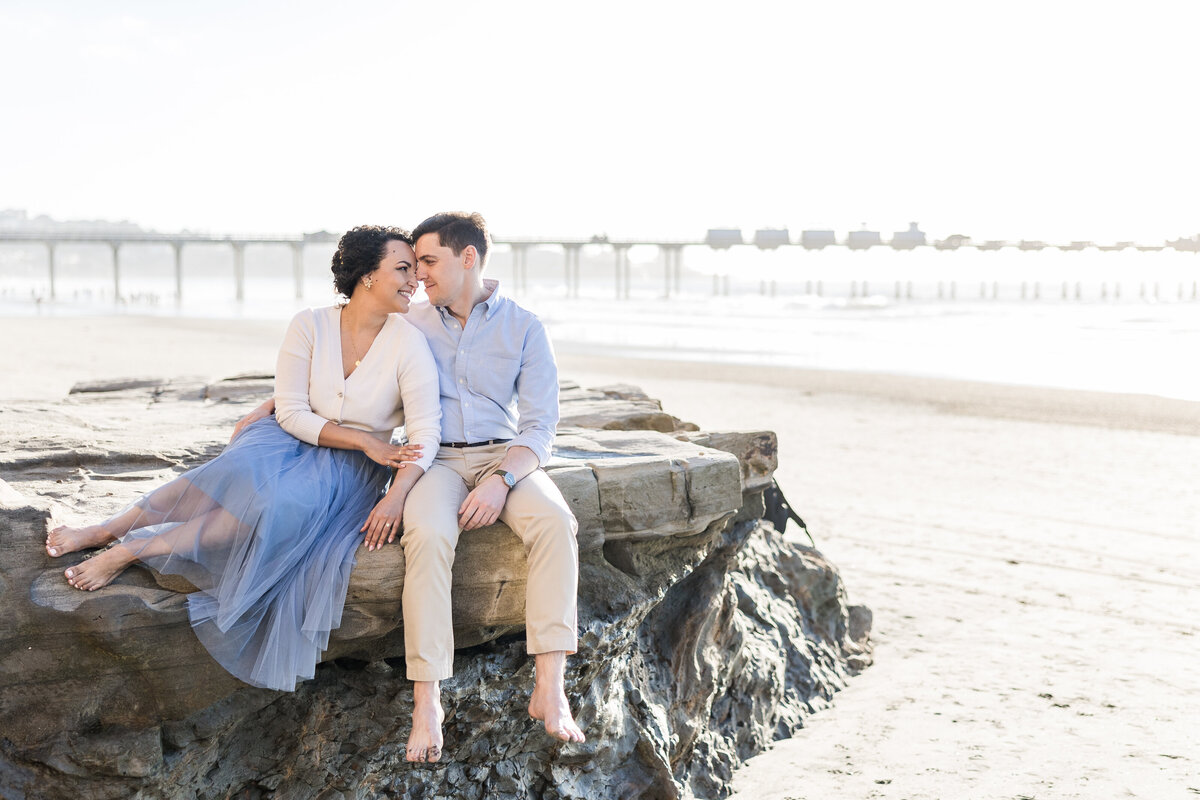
(50, 266)
(177, 247)
(571, 268)
(116, 264)
(298, 269)
(239, 269)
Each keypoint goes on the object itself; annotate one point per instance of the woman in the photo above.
(267, 530)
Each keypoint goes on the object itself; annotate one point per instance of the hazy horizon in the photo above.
(696, 237)
(1052, 121)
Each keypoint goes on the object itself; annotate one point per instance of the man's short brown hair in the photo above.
(457, 230)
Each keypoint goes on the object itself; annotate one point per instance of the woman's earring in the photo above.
(367, 282)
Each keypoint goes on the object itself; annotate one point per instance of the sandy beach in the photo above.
(1030, 556)
(1031, 560)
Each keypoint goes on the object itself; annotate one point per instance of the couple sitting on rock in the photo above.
(267, 531)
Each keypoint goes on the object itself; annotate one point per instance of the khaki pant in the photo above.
(535, 510)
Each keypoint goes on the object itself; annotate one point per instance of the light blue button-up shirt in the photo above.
(498, 376)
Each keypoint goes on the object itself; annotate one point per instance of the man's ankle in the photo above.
(427, 692)
(549, 668)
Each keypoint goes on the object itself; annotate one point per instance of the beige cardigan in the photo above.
(396, 383)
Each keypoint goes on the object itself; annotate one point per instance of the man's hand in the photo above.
(254, 416)
(484, 504)
(384, 521)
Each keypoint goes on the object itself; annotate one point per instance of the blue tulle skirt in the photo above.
(267, 531)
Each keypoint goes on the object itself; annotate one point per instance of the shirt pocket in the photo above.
(494, 376)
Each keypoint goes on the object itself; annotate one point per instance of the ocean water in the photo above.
(1123, 321)
(1144, 349)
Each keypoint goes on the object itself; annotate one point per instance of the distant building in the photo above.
(723, 238)
(815, 240)
(13, 218)
(18, 219)
(1112, 247)
(952, 242)
(1076, 246)
(992, 244)
(863, 240)
(909, 239)
(1183, 245)
(771, 238)
(1031, 244)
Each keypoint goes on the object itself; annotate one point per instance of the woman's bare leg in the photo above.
(212, 529)
(172, 502)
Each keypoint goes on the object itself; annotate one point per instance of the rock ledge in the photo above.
(705, 634)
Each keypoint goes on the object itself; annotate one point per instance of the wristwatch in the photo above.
(509, 479)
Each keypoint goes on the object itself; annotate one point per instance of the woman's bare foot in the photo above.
(425, 741)
(65, 539)
(100, 569)
(549, 700)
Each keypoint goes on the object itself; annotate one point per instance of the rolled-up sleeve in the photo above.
(418, 379)
(292, 371)
(537, 394)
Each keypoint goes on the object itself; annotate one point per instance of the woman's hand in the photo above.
(390, 455)
(262, 412)
(384, 521)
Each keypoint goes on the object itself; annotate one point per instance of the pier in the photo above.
(671, 251)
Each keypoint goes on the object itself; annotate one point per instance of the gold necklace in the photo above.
(353, 346)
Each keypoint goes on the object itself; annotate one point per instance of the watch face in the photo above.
(509, 480)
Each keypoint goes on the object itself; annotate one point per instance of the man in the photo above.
(499, 391)
(499, 395)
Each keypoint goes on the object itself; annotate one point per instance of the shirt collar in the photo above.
(494, 300)
(490, 305)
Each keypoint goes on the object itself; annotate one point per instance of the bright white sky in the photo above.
(1055, 120)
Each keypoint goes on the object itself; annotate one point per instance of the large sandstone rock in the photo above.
(704, 634)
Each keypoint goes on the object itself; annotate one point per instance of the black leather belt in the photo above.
(475, 444)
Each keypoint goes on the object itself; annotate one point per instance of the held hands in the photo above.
(390, 455)
(384, 521)
(484, 504)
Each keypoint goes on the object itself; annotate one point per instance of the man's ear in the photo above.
(470, 256)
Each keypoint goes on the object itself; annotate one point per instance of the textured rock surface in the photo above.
(704, 635)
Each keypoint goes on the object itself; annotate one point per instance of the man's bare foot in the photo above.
(549, 700)
(99, 570)
(425, 741)
(65, 539)
(555, 713)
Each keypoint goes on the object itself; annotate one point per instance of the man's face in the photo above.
(439, 270)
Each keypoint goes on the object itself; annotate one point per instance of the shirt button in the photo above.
(339, 394)
(462, 380)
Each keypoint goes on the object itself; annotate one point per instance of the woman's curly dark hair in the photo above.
(359, 252)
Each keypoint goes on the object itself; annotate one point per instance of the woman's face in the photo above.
(395, 279)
